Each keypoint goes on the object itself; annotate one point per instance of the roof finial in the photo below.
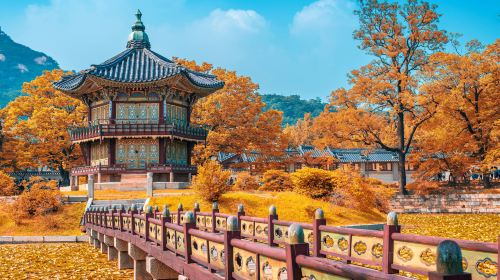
(138, 38)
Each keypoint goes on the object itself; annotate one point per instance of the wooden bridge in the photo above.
(211, 245)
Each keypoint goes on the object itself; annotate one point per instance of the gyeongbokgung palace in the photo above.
(139, 107)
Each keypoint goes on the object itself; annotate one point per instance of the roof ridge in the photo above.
(115, 59)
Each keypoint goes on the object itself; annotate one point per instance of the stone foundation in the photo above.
(453, 203)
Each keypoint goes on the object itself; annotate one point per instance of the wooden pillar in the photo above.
(112, 112)
(295, 247)
(112, 151)
(232, 232)
(319, 220)
(388, 249)
(161, 113)
(270, 225)
(189, 223)
(162, 159)
(189, 152)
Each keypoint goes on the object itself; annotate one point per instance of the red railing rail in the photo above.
(310, 251)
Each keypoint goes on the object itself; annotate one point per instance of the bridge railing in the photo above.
(245, 247)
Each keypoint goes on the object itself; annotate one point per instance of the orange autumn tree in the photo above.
(383, 108)
(301, 133)
(35, 126)
(236, 118)
(463, 135)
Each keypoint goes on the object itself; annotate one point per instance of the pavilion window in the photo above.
(99, 154)
(176, 153)
(137, 112)
(100, 114)
(176, 114)
(371, 166)
(137, 153)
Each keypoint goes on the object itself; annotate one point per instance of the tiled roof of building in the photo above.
(138, 64)
(341, 155)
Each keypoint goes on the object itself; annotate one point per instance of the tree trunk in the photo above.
(401, 154)
(486, 180)
(64, 175)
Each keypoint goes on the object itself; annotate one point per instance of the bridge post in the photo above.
(241, 212)
(112, 252)
(189, 223)
(319, 220)
(158, 270)
(449, 263)
(388, 249)
(232, 232)
(139, 257)
(90, 186)
(295, 247)
(270, 225)
(133, 210)
(149, 184)
(196, 209)
(179, 213)
(215, 210)
(165, 218)
(124, 260)
(147, 215)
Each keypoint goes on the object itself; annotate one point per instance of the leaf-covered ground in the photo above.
(480, 227)
(57, 261)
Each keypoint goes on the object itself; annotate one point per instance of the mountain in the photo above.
(292, 106)
(19, 64)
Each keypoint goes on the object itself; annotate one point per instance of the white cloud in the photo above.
(234, 20)
(41, 60)
(323, 16)
(2, 57)
(22, 68)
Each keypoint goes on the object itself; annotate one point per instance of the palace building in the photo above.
(139, 107)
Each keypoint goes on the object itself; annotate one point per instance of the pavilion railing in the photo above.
(120, 127)
(244, 247)
(122, 168)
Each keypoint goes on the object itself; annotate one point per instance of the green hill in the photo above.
(292, 106)
(19, 64)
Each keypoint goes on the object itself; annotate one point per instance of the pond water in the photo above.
(57, 261)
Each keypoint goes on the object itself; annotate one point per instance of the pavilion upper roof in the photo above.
(138, 64)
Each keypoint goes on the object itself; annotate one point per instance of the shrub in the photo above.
(276, 181)
(246, 182)
(40, 199)
(211, 182)
(7, 185)
(313, 182)
(421, 187)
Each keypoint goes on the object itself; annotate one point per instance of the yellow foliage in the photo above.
(40, 199)
(58, 261)
(276, 181)
(237, 117)
(313, 182)
(35, 126)
(246, 182)
(7, 185)
(211, 181)
(66, 221)
(423, 187)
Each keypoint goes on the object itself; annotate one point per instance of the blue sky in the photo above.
(287, 47)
